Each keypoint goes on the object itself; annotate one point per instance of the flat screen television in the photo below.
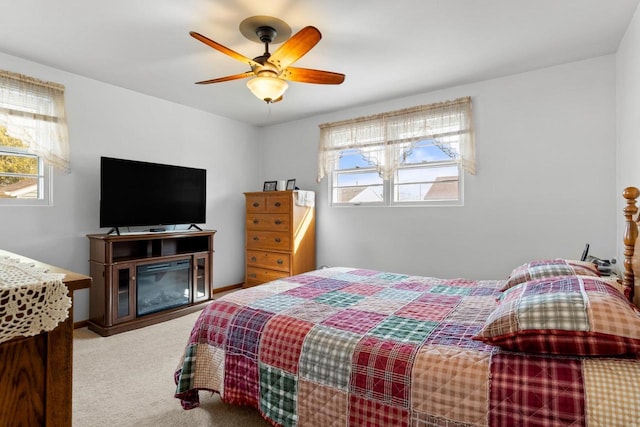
(135, 193)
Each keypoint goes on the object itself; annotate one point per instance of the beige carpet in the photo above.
(127, 380)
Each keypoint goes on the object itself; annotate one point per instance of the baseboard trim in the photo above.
(227, 288)
(80, 324)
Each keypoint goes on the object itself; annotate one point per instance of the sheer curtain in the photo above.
(33, 111)
(385, 139)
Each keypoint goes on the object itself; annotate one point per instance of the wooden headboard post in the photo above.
(630, 236)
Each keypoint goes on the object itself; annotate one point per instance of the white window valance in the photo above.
(33, 111)
(385, 139)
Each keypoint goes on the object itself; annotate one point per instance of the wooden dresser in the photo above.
(36, 372)
(280, 236)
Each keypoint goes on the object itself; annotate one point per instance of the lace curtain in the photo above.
(385, 139)
(33, 111)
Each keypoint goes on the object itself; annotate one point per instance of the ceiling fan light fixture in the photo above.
(267, 89)
(270, 71)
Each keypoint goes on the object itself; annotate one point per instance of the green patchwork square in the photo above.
(550, 270)
(450, 290)
(338, 299)
(326, 356)
(278, 395)
(562, 311)
(394, 277)
(188, 369)
(404, 329)
(398, 294)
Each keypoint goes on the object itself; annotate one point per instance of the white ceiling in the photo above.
(387, 49)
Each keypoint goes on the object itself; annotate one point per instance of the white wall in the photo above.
(546, 175)
(628, 113)
(545, 183)
(111, 121)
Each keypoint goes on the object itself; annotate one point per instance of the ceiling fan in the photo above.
(270, 71)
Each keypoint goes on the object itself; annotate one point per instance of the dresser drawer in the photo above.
(256, 203)
(256, 275)
(272, 222)
(270, 240)
(272, 260)
(279, 203)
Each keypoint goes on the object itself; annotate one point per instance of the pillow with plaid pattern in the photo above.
(570, 315)
(549, 268)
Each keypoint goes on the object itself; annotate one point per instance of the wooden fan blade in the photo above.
(294, 48)
(307, 75)
(227, 78)
(223, 49)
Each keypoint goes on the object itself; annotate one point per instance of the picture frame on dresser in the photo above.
(270, 186)
(291, 184)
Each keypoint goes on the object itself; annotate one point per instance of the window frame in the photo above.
(388, 188)
(44, 177)
(334, 176)
(457, 202)
(389, 185)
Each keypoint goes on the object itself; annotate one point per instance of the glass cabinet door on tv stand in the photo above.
(124, 307)
(201, 290)
(142, 279)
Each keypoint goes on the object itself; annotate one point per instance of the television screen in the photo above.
(134, 193)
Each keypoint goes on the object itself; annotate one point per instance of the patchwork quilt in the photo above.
(354, 347)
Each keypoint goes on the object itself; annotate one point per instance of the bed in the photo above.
(554, 344)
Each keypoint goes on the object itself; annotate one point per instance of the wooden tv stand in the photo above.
(115, 261)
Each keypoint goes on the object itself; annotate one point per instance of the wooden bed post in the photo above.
(630, 236)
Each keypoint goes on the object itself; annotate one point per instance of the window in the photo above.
(416, 156)
(355, 181)
(22, 175)
(429, 173)
(33, 138)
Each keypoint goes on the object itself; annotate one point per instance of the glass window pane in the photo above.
(19, 176)
(358, 187)
(369, 194)
(18, 188)
(448, 190)
(351, 159)
(18, 164)
(429, 151)
(427, 174)
(357, 179)
(432, 183)
(439, 191)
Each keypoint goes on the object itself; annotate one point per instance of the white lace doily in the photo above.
(31, 299)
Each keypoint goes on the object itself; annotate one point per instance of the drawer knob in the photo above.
(277, 239)
(255, 221)
(256, 204)
(278, 222)
(254, 259)
(256, 238)
(277, 204)
(280, 262)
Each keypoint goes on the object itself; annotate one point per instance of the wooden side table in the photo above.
(36, 372)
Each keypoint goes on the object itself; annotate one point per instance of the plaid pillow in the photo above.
(549, 268)
(571, 315)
